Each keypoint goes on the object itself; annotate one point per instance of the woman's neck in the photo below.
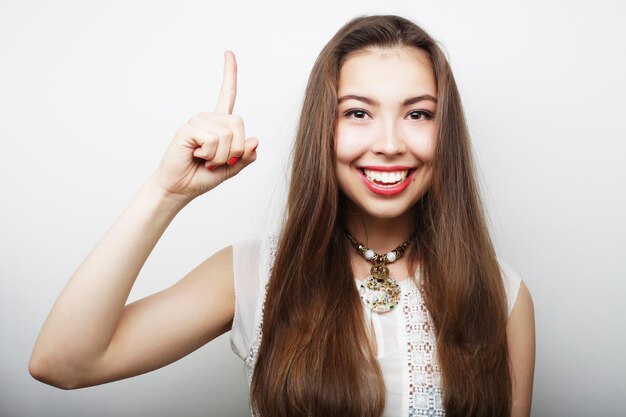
(380, 235)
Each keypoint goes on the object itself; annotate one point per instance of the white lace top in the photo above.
(404, 336)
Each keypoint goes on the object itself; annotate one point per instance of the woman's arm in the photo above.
(91, 337)
(521, 341)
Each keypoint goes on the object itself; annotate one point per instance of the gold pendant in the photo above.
(380, 292)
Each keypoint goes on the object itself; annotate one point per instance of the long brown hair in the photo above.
(316, 355)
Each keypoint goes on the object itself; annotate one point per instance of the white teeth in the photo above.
(386, 177)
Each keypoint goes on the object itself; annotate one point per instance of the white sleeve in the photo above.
(246, 259)
(511, 282)
(252, 261)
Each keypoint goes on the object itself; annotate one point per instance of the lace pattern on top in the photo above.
(425, 392)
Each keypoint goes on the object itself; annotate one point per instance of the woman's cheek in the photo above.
(350, 143)
(423, 143)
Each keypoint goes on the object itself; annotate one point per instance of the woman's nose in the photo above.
(389, 141)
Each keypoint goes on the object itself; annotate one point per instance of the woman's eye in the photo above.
(356, 114)
(420, 115)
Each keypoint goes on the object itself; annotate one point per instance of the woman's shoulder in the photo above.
(512, 281)
(253, 259)
(257, 247)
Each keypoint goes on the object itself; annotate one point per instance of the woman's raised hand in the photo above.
(210, 147)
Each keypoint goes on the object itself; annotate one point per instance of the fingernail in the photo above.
(232, 161)
(212, 168)
(255, 146)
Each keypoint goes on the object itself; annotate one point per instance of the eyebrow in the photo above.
(373, 102)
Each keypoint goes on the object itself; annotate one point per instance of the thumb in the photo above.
(248, 157)
(249, 151)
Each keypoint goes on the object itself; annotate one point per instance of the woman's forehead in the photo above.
(387, 71)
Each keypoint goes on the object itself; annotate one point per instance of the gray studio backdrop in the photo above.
(91, 94)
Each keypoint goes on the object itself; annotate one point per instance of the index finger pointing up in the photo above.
(228, 92)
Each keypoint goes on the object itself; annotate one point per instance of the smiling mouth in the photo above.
(387, 181)
(386, 178)
(383, 178)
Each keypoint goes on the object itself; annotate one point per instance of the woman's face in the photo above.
(385, 133)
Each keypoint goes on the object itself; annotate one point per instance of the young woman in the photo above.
(381, 295)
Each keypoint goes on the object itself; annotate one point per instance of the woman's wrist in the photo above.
(163, 199)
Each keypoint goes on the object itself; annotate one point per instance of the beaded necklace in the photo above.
(379, 291)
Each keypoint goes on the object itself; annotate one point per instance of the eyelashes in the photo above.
(362, 114)
(421, 115)
(356, 114)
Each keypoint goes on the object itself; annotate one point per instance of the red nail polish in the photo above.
(212, 168)
(232, 161)
(255, 146)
